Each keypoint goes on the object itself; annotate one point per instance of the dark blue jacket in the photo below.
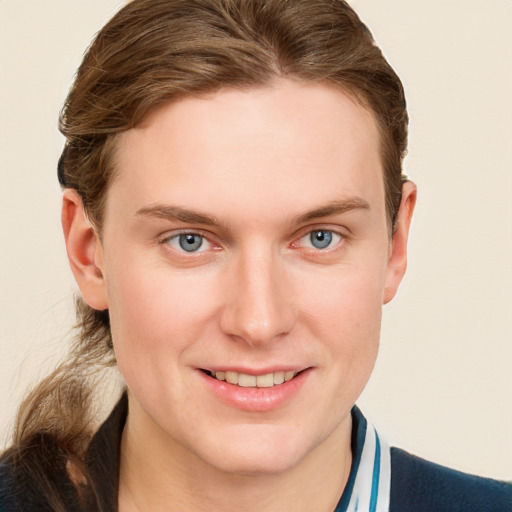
(416, 484)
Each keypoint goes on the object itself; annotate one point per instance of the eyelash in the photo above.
(177, 237)
(334, 239)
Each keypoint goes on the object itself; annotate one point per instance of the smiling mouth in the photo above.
(244, 380)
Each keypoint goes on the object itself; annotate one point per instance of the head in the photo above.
(138, 121)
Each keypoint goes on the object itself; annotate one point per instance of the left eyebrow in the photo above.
(333, 208)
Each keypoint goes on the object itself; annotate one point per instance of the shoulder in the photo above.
(26, 486)
(10, 492)
(423, 486)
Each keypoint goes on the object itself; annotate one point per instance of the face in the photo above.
(245, 257)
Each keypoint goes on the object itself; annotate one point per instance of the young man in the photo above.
(235, 217)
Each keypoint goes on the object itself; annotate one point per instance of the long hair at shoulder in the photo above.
(54, 423)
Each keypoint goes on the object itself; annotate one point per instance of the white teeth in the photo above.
(278, 377)
(246, 381)
(265, 381)
(288, 376)
(251, 381)
(232, 377)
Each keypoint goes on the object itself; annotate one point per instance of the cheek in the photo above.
(344, 310)
(156, 315)
(349, 298)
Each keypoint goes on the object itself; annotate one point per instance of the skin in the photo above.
(267, 167)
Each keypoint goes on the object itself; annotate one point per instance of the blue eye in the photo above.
(322, 238)
(188, 242)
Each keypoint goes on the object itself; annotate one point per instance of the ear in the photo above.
(397, 262)
(85, 253)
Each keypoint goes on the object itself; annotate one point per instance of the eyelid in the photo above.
(210, 244)
(344, 233)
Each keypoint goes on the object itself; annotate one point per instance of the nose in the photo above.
(259, 301)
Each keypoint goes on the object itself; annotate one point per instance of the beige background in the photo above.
(443, 385)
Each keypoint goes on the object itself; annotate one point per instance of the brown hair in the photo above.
(154, 51)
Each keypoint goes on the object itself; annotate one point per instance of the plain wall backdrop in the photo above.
(442, 387)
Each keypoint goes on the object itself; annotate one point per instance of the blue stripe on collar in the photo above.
(358, 435)
(369, 483)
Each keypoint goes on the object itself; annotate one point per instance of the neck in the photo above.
(161, 475)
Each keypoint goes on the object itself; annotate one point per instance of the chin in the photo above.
(260, 463)
(258, 453)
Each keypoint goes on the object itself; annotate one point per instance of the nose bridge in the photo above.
(259, 308)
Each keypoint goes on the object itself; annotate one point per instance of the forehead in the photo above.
(289, 147)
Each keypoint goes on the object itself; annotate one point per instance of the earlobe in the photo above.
(397, 262)
(84, 250)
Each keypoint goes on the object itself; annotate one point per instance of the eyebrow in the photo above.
(334, 208)
(177, 213)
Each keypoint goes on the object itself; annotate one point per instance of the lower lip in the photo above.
(256, 399)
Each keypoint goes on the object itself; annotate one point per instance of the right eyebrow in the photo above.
(176, 213)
